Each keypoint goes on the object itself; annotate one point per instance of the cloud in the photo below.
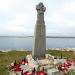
(61, 21)
(69, 7)
(16, 16)
(64, 15)
(19, 16)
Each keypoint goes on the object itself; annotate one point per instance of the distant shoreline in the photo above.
(58, 49)
(14, 50)
(33, 36)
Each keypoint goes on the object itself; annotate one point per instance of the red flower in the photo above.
(62, 67)
(24, 62)
(18, 69)
(26, 73)
(69, 62)
(41, 73)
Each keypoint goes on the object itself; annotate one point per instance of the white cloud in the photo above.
(69, 7)
(61, 18)
(20, 16)
(20, 19)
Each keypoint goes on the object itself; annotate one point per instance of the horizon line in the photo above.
(46, 36)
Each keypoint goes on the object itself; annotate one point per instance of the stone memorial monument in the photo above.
(40, 34)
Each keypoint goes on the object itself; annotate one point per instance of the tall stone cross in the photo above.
(40, 34)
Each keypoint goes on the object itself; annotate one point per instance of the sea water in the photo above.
(27, 43)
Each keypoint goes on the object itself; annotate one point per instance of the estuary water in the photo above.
(27, 43)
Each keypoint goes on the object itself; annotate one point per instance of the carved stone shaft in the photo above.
(39, 36)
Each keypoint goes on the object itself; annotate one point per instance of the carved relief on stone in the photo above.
(40, 7)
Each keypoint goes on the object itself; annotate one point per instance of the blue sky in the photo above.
(18, 17)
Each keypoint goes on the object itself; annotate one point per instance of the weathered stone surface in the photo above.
(40, 35)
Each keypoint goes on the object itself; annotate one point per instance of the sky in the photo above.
(18, 17)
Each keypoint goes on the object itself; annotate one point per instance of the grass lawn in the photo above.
(64, 54)
(8, 57)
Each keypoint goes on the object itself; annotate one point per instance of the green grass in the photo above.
(65, 54)
(7, 57)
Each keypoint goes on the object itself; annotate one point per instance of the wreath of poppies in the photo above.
(66, 65)
(16, 67)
